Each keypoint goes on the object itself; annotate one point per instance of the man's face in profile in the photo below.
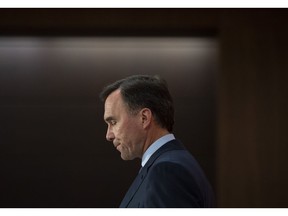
(124, 128)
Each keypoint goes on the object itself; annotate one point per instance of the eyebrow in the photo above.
(108, 119)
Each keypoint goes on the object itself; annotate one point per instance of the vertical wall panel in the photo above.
(252, 91)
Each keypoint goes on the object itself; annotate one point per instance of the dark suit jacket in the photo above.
(170, 178)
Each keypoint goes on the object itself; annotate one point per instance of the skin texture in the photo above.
(131, 134)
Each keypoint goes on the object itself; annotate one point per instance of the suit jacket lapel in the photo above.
(172, 145)
(133, 189)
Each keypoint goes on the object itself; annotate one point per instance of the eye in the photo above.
(113, 122)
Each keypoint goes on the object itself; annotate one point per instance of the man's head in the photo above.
(134, 107)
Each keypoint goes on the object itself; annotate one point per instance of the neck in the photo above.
(152, 136)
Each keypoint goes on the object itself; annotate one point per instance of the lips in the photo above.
(116, 145)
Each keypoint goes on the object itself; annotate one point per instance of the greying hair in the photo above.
(144, 91)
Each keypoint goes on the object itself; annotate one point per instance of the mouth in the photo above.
(116, 145)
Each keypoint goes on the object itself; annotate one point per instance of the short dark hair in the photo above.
(145, 91)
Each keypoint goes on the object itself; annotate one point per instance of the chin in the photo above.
(126, 157)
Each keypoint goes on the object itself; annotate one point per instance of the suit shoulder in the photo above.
(178, 156)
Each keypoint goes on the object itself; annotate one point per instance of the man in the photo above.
(139, 113)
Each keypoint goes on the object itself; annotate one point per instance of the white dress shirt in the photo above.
(155, 146)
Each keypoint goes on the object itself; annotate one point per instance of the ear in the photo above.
(146, 117)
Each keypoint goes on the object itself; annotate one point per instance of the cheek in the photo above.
(135, 134)
(133, 126)
(122, 131)
(128, 130)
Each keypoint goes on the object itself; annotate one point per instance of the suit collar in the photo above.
(171, 145)
(155, 146)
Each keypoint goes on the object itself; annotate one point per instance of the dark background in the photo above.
(230, 97)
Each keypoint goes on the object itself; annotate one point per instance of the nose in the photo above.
(110, 135)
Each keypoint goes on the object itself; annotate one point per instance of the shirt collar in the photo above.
(155, 146)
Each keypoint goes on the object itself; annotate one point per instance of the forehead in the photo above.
(114, 104)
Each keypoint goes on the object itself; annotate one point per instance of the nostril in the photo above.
(109, 137)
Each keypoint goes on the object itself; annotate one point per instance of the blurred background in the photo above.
(226, 70)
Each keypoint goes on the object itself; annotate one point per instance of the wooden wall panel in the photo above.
(252, 111)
